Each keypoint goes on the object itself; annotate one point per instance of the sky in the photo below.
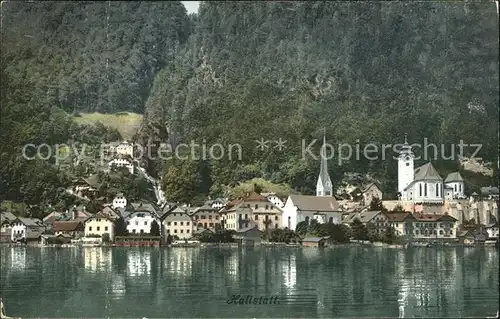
(191, 6)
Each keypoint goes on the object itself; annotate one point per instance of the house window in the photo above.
(289, 222)
(106, 228)
(205, 225)
(202, 216)
(168, 223)
(145, 223)
(419, 189)
(90, 228)
(267, 206)
(168, 231)
(307, 220)
(275, 217)
(256, 217)
(216, 217)
(275, 225)
(330, 220)
(175, 231)
(256, 206)
(211, 224)
(98, 228)
(136, 223)
(327, 193)
(209, 216)
(182, 223)
(175, 223)
(187, 231)
(440, 232)
(437, 190)
(407, 164)
(187, 223)
(182, 231)
(425, 190)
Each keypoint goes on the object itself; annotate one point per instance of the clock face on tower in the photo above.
(407, 158)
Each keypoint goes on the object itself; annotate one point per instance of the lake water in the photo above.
(198, 282)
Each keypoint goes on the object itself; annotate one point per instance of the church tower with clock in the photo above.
(324, 185)
(406, 172)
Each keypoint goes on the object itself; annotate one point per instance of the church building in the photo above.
(424, 185)
(323, 207)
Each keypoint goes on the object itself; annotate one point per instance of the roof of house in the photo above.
(368, 186)
(426, 172)
(454, 177)
(7, 216)
(254, 197)
(205, 207)
(108, 212)
(314, 239)
(431, 217)
(398, 217)
(145, 207)
(363, 217)
(92, 180)
(70, 225)
(247, 229)
(31, 221)
(315, 203)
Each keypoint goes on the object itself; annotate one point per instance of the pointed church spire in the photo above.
(324, 185)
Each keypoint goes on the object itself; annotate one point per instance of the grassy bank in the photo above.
(126, 123)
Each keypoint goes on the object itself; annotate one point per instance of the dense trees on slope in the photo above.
(367, 72)
(241, 71)
(91, 56)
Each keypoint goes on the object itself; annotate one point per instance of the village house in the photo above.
(73, 228)
(85, 187)
(435, 226)
(206, 217)
(109, 213)
(377, 219)
(273, 198)
(314, 241)
(217, 203)
(248, 236)
(140, 222)
(178, 223)
(96, 226)
(119, 201)
(489, 193)
(6, 218)
(255, 208)
(122, 162)
(28, 229)
(492, 230)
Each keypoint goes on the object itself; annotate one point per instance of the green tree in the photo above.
(389, 235)
(359, 231)
(105, 238)
(181, 181)
(121, 227)
(302, 228)
(155, 228)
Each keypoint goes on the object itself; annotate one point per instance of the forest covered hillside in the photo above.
(240, 71)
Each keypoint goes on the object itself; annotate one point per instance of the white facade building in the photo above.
(299, 208)
(125, 149)
(422, 185)
(26, 228)
(140, 222)
(273, 198)
(121, 162)
(119, 201)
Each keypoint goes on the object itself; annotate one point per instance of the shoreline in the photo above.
(266, 245)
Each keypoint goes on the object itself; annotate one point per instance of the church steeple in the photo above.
(324, 185)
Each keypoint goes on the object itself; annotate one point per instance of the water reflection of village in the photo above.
(331, 282)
